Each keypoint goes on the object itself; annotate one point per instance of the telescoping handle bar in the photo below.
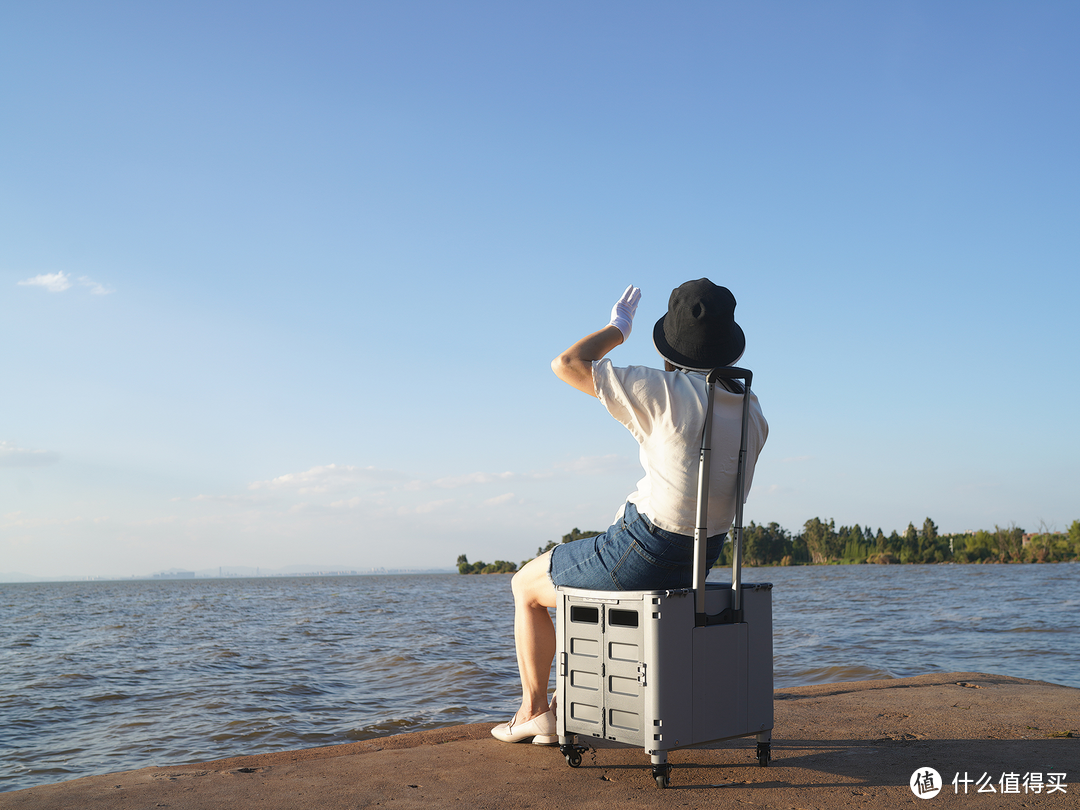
(701, 529)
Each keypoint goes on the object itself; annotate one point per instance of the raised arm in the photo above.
(574, 366)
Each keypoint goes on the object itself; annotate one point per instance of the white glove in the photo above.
(622, 314)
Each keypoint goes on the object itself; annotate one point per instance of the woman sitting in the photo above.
(650, 544)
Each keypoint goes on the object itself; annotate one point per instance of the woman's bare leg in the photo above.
(534, 635)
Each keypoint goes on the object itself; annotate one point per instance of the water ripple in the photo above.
(101, 677)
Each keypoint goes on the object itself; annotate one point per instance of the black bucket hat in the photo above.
(699, 330)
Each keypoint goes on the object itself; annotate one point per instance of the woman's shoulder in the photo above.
(636, 372)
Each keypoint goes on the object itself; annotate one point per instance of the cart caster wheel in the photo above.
(572, 752)
(662, 775)
(764, 754)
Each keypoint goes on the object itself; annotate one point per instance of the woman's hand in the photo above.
(622, 314)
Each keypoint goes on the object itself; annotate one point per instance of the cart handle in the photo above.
(701, 528)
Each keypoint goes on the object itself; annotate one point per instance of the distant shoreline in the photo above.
(21, 579)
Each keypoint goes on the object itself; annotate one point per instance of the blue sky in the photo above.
(280, 282)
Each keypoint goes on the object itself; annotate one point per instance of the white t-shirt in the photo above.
(665, 412)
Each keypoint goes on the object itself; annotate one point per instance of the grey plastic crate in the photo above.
(633, 668)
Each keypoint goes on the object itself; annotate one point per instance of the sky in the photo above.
(280, 282)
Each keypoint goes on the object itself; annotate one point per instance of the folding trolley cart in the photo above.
(670, 669)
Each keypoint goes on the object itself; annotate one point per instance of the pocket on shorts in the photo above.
(642, 569)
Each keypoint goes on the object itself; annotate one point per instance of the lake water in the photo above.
(98, 677)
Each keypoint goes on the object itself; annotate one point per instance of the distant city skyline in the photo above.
(234, 573)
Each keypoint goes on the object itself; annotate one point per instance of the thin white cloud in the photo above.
(164, 520)
(349, 503)
(61, 281)
(244, 499)
(95, 287)
(584, 466)
(597, 465)
(327, 477)
(15, 520)
(339, 479)
(53, 282)
(12, 456)
(499, 500)
(432, 506)
(453, 482)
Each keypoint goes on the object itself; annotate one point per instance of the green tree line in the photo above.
(481, 567)
(821, 543)
(503, 567)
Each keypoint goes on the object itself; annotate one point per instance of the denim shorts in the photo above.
(632, 555)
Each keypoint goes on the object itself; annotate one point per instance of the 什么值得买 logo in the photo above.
(927, 783)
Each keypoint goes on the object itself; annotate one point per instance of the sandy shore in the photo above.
(846, 745)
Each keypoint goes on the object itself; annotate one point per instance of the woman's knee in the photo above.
(532, 584)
